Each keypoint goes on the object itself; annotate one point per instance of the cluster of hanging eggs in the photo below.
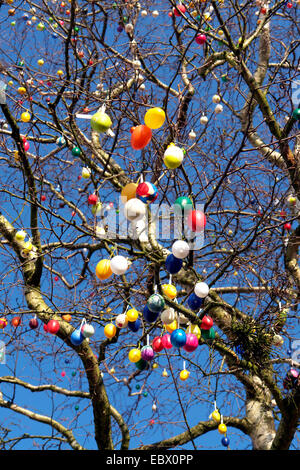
(222, 428)
(135, 197)
(129, 319)
(141, 135)
(116, 265)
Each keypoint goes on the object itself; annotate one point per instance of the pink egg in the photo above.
(191, 342)
(166, 341)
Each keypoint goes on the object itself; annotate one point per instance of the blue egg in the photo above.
(134, 325)
(67, 361)
(173, 265)
(178, 338)
(76, 337)
(225, 441)
(149, 316)
(195, 302)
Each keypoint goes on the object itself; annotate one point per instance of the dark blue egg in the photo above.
(149, 316)
(134, 325)
(225, 441)
(195, 302)
(76, 337)
(173, 265)
(178, 338)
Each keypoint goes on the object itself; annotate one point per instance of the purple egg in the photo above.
(147, 353)
(191, 342)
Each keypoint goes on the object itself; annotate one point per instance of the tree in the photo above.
(223, 75)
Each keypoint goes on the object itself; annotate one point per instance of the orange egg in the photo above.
(103, 269)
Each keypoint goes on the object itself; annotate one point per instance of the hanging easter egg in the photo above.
(222, 428)
(196, 220)
(216, 99)
(144, 13)
(119, 265)
(20, 235)
(87, 330)
(45, 327)
(183, 205)
(218, 109)
(169, 290)
(121, 321)
(173, 156)
(110, 330)
(26, 145)
(25, 117)
(147, 353)
(76, 337)
(156, 303)
(60, 141)
(194, 329)
(278, 340)
(206, 323)
(184, 375)
(166, 341)
(128, 192)
(96, 208)
(191, 342)
(134, 355)
(53, 326)
(192, 135)
(194, 302)
(86, 173)
(100, 122)
(149, 316)
(171, 326)
(154, 118)
(134, 326)
(208, 334)
(129, 28)
(179, 9)
(146, 192)
(3, 323)
(132, 315)
(92, 199)
(178, 338)
(140, 136)
(201, 289)
(22, 90)
(204, 120)
(141, 364)
(168, 316)
(134, 210)
(180, 249)
(225, 441)
(76, 152)
(296, 114)
(103, 269)
(157, 344)
(67, 317)
(33, 323)
(165, 373)
(173, 265)
(216, 416)
(40, 26)
(200, 39)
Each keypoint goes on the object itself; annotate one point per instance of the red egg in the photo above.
(16, 321)
(63, 374)
(191, 342)
(200, 39)
(45, 327)
(166, 341)
(25, 144)
(196, 220)
(157, 344)
(43, 197)
(53, 327)
(33, 323)
(140, 136)
(207, 323)
(93, 199)
(179, 9)
(287, 226)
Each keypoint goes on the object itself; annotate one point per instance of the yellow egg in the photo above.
(132, 314)
(128, 192)
(40, 62)
(173, 157)
(20, 235)
(27, 246)
(171, 327)
(165, 373)
(16, 155)
(155, 365)
(184, 374)
(154, 118)
(103, 269)
(195, 330)
(169, 290)
(10, 83)
(110, 330)
(222, 428)
(22, 90)
(134, 355)
(216, 416)
(60, 73)
(25, 117)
